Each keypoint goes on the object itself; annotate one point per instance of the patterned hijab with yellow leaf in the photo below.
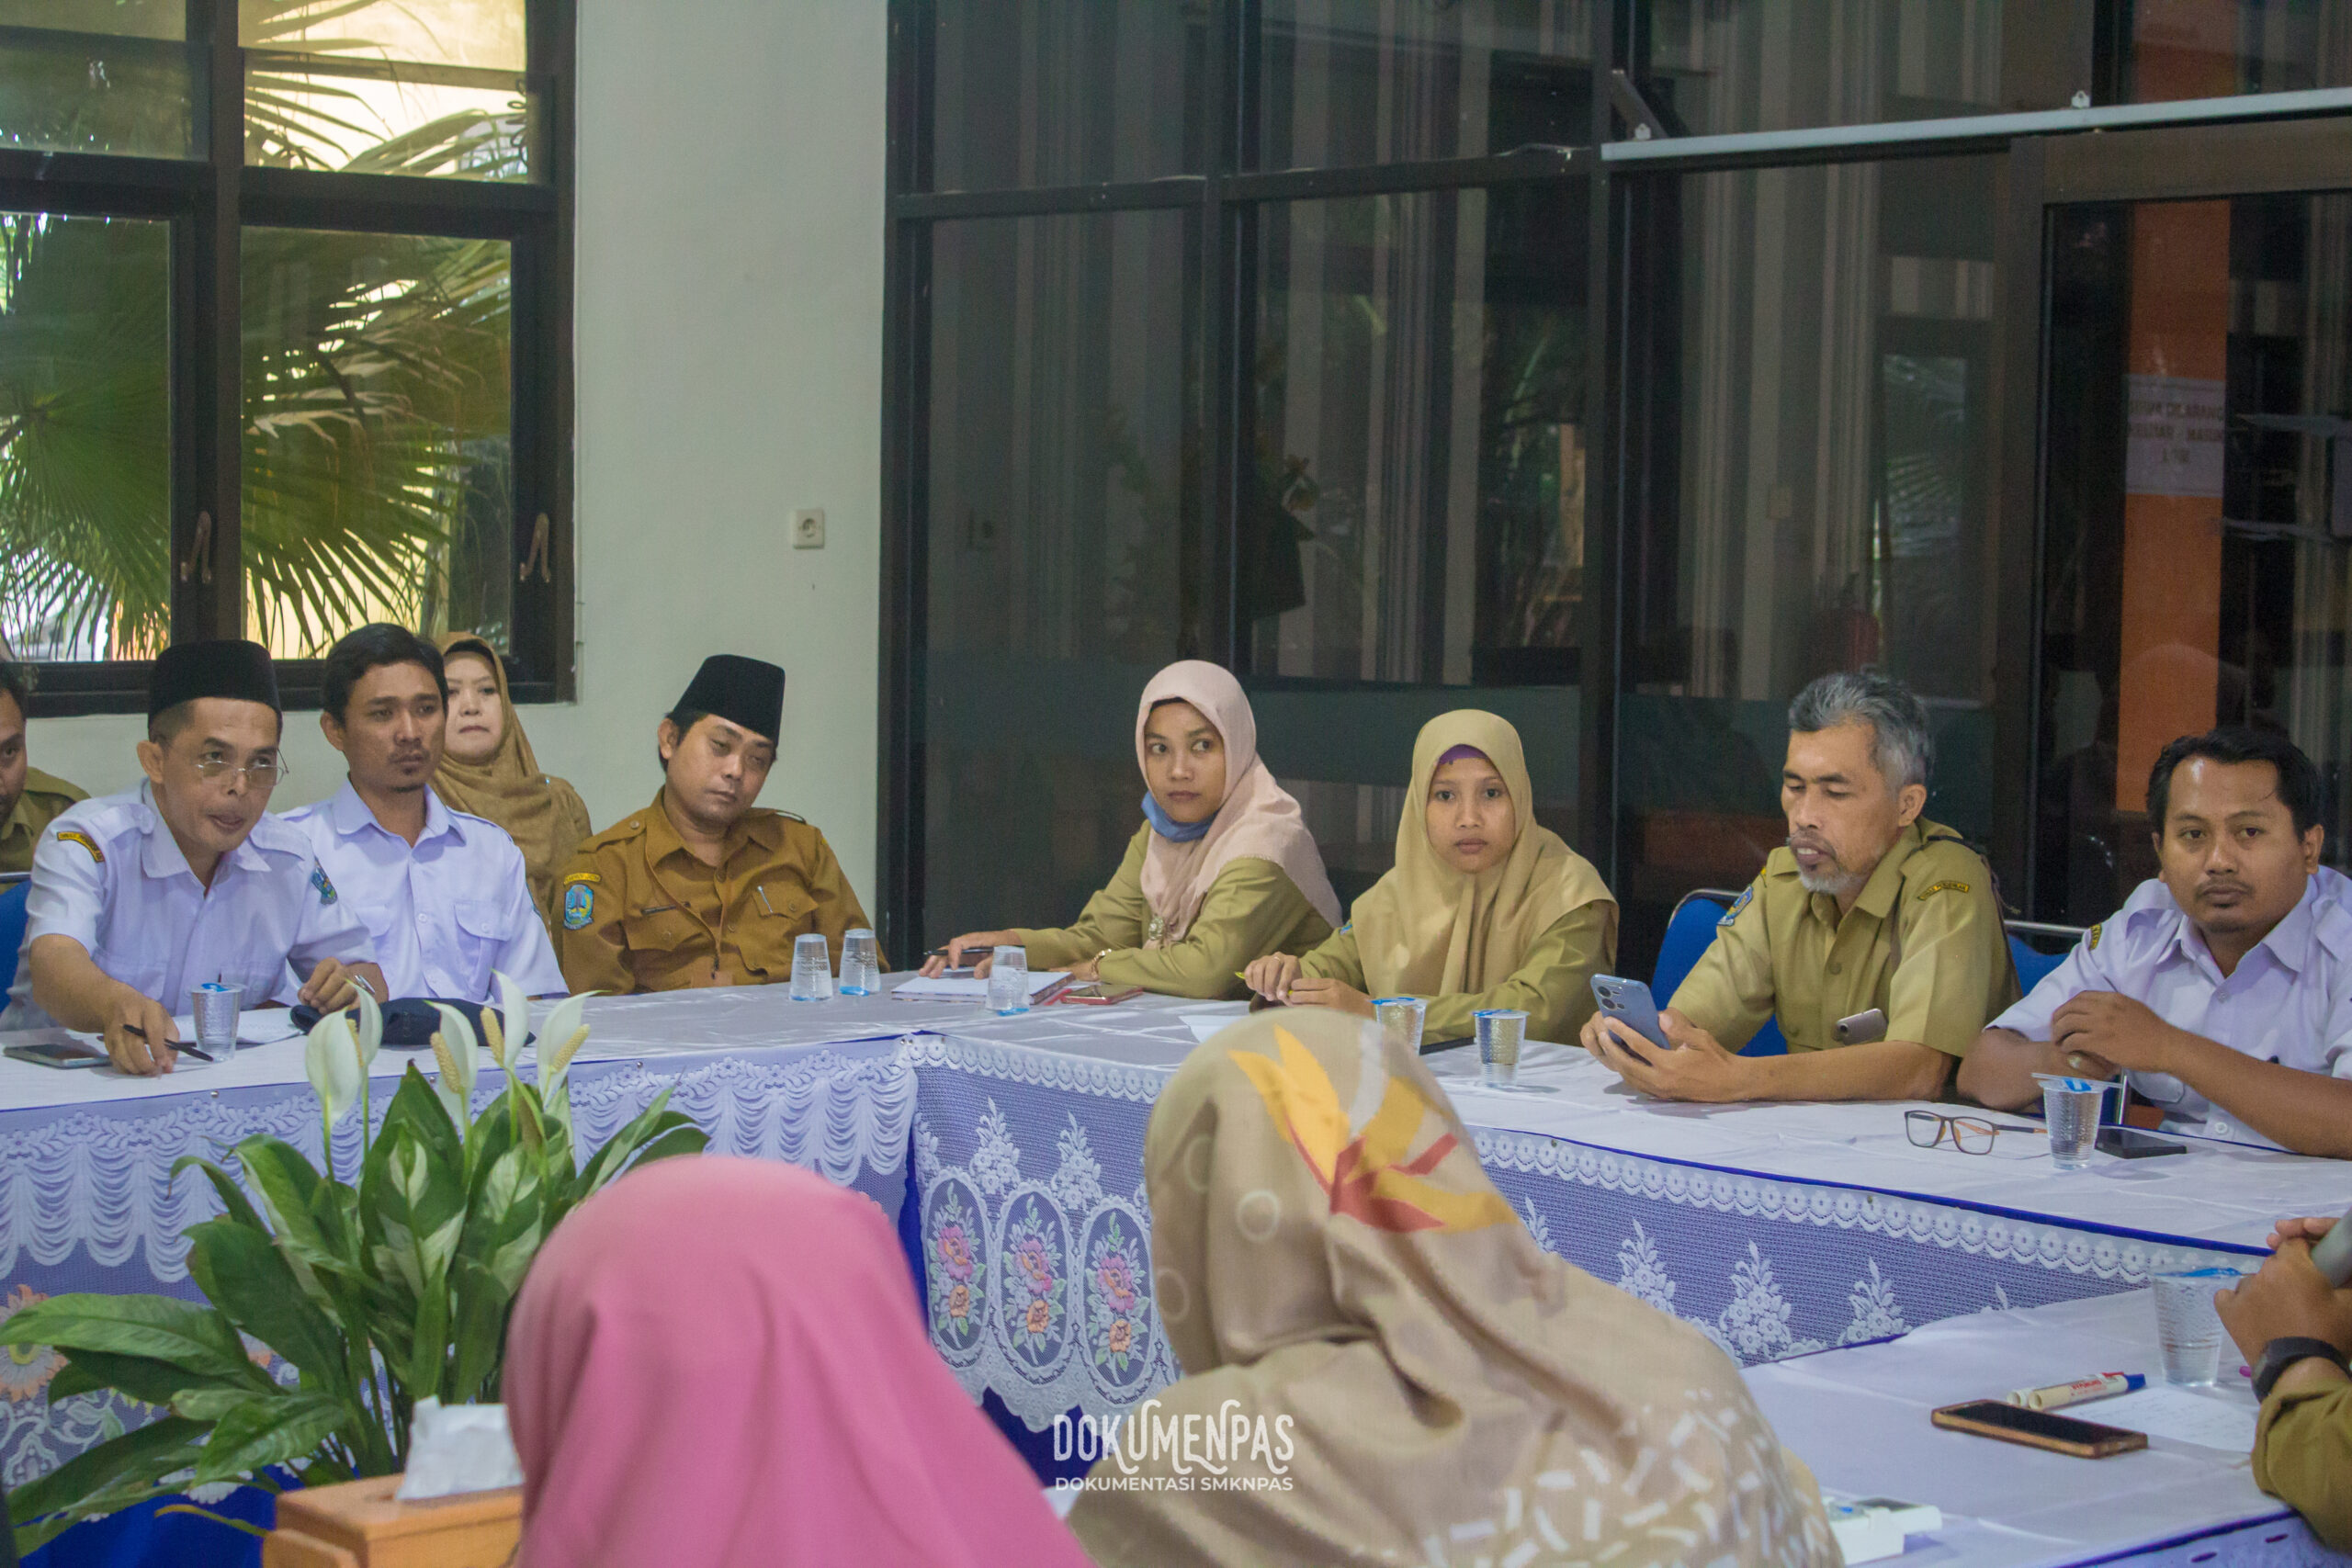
(1435, 1387)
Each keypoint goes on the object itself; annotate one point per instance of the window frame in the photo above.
(209, 198)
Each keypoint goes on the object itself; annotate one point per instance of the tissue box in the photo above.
(360, 1524)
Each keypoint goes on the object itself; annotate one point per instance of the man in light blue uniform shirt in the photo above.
(443, 894)
(137, 898)
(2224, 987)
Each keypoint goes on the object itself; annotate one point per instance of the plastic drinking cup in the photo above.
(215, 1008)
(2188, 1331)
(812, 969)
(2070, 1108)
(1009, 980)
(861, 964)
(1500, 1031)
(1400, 1020)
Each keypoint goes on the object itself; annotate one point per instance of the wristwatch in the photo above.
(2284, 1352)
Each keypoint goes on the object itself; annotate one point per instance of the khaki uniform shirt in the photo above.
(1923, 942)
(1553, 984)
(638, 913)
(1252, 909)
(45, 799)
(2303, 1456)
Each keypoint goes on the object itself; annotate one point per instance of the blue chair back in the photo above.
(1689, 932)
(12, 932)
(2033, 966)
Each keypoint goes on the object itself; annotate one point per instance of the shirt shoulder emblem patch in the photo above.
(1747, 897)
(1946, 887)
(319, 880)
(579, 877)
(2090, 938)
(579, 904)
(75, 835)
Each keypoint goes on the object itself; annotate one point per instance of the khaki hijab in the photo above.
(1435, 1387)
(1258, 820)
(1425, 929)
(543, 815)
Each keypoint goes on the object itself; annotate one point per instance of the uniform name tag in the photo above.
(579, 904)
(1946, 887)
(74, 836)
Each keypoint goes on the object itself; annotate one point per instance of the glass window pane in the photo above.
(2219, 49)
(1813, 381)
(1046, 93)
(95, 76)
(379, 478)
(86, 453)
(1349, 81)
(1060, 470)
(1718, 66)
(1415, 517)
(2197, 550)
(388, 86)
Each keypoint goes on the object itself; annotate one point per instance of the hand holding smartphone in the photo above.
(1630, 1003)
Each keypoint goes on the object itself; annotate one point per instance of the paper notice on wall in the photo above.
(2173, 447)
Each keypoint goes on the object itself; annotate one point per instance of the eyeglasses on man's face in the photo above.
(263, 773)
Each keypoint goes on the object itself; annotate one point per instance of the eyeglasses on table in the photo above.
(1969, 1134)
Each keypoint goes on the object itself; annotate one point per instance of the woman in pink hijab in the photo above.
(717, 1363)
(1223, 870)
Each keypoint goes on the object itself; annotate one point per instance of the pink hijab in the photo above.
(717, 1363)
(1259, 820)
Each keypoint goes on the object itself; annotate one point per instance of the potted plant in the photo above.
(377, 1291)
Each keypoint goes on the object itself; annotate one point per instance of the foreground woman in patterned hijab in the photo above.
(1434, 1387)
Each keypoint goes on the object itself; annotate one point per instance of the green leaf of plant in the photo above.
(479, 1333)
(195, 1338)
(268, 1432)
(141, 1378)
(148, 1452)
(232, 1197)
(243, 1274)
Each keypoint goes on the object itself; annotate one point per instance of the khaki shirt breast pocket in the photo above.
(778, 912)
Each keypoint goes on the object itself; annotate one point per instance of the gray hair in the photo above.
(1903, 748)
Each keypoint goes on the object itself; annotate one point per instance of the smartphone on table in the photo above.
(2129, 1143)
(1629, 1002)
(2038, 1428)
(1095, 994)
(58, 1051)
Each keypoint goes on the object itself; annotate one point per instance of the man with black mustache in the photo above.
(443, 893)
(2223, 985)
(1874, 937)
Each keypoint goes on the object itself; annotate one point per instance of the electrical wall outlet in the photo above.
(808, 528)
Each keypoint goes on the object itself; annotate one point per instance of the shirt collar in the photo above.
(1885, 882)
(351, 815)
(762, 828)
(2289, 942)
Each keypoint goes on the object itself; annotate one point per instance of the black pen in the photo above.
(200, 1054)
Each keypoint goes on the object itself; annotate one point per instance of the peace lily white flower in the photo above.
(459, 1055)
(510, 1026)
(561, 1037)
(331, 1061)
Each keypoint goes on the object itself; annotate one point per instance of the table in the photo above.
(1860, 1416)
(1779, 1230)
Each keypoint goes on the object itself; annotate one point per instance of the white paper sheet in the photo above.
(948, 989)
(264, 1027)
(2209, 1420)
(1213, 1018)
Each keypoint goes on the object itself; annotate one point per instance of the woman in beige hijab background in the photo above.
(487, 768)
(1222, 870)
(1433, 1387)
(1485, 907)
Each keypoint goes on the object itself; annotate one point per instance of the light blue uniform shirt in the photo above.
(109, 875)
(445, 914)
(2289, 1000)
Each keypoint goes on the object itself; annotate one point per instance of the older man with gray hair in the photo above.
(1875, 935)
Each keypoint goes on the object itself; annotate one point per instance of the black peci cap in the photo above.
(226, 667)
(748, 692)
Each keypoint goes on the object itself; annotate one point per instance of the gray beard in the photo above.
(1838, 884)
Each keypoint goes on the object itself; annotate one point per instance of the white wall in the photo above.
(728, 336)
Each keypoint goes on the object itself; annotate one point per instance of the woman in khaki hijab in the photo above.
(1396, 1371)
(1485, 907)
(1222, 870)
(487, 768)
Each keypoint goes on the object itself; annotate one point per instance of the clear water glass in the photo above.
(2189, 1330)
(812, 969)
(2070, 1108)
(214, 1006)
(1501, 1031)
(861, 964)
(1401, 1022)
(1009, 981)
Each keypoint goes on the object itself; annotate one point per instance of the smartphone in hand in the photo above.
(1629, 1002)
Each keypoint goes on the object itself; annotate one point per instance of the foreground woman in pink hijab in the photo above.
(717, 1363)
